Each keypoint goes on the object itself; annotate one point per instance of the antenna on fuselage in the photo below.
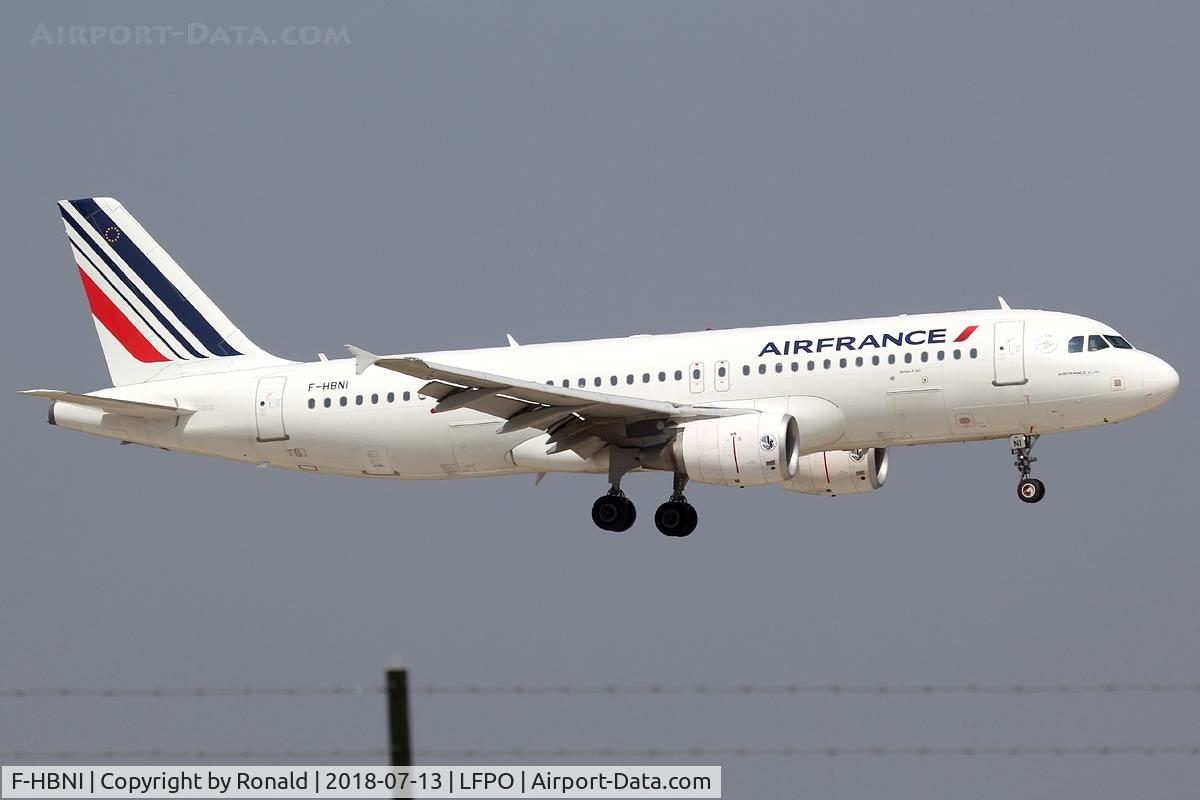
(1003, 304)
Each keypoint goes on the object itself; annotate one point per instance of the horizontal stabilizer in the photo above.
(127, 408)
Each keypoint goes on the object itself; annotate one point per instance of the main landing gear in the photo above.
(616, 512)
(1030, 490)
(676, 517)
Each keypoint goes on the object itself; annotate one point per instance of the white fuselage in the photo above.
(896, 381)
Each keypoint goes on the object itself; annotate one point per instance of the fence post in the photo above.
(399, 735)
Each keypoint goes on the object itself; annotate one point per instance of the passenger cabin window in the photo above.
(1096, 342)
(678, 374)
(312, 403)
(1075, 345)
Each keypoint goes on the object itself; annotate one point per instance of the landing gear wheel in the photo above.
(1030, 490)
(693, 518)
(631, 515)
(676, 518)
(671, 518)
(613, 512)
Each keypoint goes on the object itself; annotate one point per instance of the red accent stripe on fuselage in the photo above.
(967, 331)
(116, 323)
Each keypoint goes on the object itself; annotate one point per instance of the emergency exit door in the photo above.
(1009, 353)
(268, 406)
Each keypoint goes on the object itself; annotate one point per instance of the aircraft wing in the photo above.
(127, 408)
(577, 419)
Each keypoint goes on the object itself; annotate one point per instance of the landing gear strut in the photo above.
(614, 511)
(676, 517)
(1030, 490)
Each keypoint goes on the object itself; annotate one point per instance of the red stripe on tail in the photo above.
(117, 323)
(967, 331)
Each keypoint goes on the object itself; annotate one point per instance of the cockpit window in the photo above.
(1118, 342)
(1075, 345)
(1096, 342)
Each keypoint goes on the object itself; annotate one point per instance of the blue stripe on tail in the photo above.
(120, 273)
(157, 334)
(158, 283)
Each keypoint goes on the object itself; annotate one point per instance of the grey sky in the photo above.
(565, 171)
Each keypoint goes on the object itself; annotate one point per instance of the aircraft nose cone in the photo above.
(1161, 381)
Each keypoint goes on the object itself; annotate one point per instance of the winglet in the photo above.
(1003, 304)
(362, 359)
(511, 341)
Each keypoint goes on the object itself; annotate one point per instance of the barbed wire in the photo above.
(831, 751)
(619, 689)
(473, 754)
(831, 689)
(166, 692)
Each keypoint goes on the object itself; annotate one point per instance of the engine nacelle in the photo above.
(841, 472)
(741, 450)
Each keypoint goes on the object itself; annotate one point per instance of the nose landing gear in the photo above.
(676, 517)
(1030, 490)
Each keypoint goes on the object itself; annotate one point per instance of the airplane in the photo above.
(809, 408)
